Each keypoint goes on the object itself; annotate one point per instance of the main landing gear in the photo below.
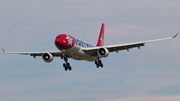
(66, 65)
(99, 63)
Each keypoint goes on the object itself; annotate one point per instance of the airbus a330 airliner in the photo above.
(71, 47)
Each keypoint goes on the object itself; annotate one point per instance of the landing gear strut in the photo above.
(66, 65)
(99, 63)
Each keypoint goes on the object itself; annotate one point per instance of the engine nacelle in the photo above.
(103, 52)
(47, 57)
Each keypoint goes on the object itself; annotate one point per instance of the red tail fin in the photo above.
(101, 37)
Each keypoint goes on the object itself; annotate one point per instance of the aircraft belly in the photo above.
(77, 54)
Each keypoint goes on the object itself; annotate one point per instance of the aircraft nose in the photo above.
(60, 44)
(64, 42)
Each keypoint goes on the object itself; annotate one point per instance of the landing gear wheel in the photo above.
(64, 65)
(101, 65)
(68, 64)
(66, 68)
(97, 65)
(96, 62)
(70, 68)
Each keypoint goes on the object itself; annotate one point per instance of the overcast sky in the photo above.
(151, 73)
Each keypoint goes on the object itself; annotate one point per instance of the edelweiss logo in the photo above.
(69, 40)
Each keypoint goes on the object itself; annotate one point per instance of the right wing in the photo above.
(116, 48)
(34, 54)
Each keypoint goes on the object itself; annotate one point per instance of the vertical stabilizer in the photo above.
(101, 37)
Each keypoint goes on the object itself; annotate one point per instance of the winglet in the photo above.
(3, 50)
(175, 35)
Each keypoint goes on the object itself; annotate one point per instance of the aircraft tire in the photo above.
(96, 62)
(101, 65)
(97, 65)
(70, 68)
(64, 65)
(66, 68)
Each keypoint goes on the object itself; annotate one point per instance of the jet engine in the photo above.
(103, 52)
(47, 57)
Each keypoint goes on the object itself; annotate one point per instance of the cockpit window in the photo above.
(60, 37)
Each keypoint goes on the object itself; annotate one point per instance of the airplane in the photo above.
(71, 47)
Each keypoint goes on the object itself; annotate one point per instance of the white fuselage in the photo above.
(78, 54)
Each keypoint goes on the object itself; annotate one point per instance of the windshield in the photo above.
(60, 37)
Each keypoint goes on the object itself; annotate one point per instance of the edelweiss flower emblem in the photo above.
(70, 40)
(102, 41)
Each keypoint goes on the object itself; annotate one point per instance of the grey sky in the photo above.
(32, 25)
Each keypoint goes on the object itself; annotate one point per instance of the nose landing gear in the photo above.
(66, 65)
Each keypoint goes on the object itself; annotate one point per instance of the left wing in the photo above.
(113, 48)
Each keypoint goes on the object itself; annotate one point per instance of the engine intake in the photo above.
(47, 57)
(103, 52)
